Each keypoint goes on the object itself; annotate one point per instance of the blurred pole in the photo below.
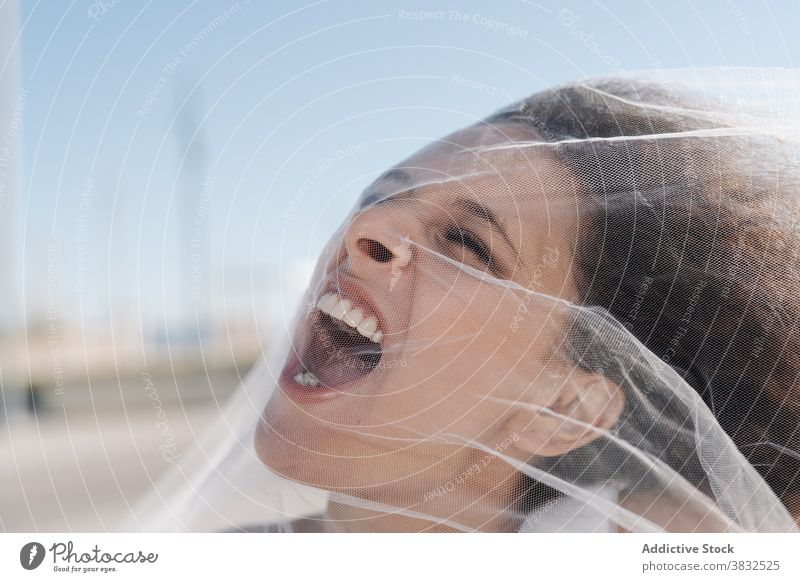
(13, 101)
(195, 190)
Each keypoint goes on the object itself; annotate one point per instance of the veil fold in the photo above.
(579, 314)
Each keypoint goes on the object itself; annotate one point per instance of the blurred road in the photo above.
(82, 472)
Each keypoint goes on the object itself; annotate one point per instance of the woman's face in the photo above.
(397, 409)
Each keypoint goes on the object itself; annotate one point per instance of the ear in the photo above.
(570, 415)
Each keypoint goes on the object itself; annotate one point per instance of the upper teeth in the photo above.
(306, 379)
(343, 310)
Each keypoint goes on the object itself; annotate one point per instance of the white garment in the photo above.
(570, 515)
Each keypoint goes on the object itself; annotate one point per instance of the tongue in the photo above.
(336, 355)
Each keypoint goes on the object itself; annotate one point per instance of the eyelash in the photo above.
(470, 241)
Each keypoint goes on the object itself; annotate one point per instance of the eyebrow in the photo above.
(376, 196)
(397, 175)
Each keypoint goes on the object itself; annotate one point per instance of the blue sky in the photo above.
(172, 144)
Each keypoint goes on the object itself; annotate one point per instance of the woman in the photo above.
(578, 314)
(421, 355)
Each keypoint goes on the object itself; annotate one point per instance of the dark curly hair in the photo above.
(693, 246)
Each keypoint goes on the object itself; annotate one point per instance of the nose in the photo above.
(379, 241)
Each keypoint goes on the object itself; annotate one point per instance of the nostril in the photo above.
(375, 250)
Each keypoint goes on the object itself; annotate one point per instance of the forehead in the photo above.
(504, 167)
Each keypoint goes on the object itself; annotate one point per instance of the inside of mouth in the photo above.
(335, 353)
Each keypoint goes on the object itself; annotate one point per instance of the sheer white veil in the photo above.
(576, 315)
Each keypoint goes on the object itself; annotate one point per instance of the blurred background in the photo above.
(169, 172)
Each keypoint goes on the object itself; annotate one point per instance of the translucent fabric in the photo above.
(579, 314)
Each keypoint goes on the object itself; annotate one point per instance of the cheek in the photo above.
(451, 303)
(450, 375)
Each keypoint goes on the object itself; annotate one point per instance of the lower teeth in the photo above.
(306, 379)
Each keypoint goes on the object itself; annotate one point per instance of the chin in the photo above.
(282, 450)
(287, 447)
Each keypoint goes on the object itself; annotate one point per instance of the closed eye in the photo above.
(471, 242)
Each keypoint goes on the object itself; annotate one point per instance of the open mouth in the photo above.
(342, 344)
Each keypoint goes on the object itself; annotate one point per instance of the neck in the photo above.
(345, 517)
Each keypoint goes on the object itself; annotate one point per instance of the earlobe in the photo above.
(584, 408)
